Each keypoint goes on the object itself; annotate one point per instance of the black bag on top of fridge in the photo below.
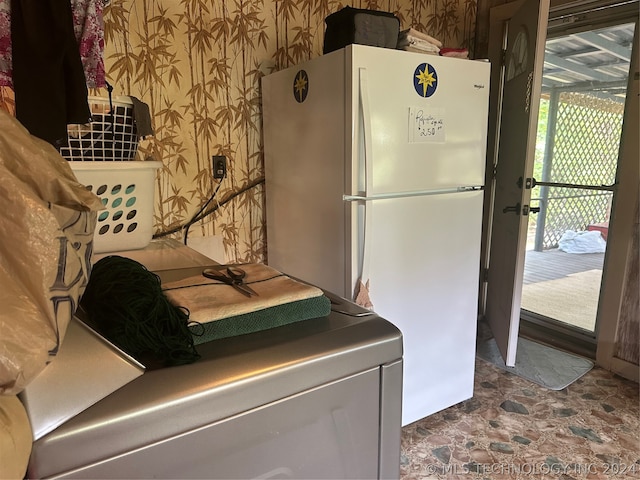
(366, 27)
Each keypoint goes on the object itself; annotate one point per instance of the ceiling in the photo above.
(592, 60)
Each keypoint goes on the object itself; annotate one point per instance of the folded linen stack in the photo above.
(415, 41)
(221, 311)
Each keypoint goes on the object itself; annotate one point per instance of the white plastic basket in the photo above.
(111, 135)
(127, 191)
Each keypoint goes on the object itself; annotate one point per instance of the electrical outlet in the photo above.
(219, 166)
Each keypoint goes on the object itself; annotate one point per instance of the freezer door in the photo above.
(423, 272)
(421, 120)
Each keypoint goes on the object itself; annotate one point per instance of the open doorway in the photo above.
(579, 129)
(512, 218)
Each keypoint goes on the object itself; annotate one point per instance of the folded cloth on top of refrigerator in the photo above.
(223, 312)
(455, 52)
(414, 41)
(422, 49)
(413, 33)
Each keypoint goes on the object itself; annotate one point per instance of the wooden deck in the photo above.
(555, 264)
(563, 286)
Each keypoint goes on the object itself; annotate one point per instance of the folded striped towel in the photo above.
(222, 311)
(412, 32)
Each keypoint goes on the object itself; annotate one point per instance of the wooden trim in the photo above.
(625, 369)
(621, 227)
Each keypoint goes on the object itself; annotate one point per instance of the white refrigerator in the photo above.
(374, 167)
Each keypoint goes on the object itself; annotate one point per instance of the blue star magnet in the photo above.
(425, 80)
(301, 86)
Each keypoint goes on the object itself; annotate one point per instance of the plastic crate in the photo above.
(111, 135)
(127, 192)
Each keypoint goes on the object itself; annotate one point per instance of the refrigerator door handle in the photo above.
(368, 174)
(419, 193)
(366, 121)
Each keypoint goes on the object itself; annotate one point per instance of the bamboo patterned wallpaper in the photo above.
(198, 64)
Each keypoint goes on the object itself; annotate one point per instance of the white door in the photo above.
(523, 64)
(424, 262)
(424, 118)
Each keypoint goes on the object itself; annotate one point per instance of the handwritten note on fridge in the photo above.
(426, 125)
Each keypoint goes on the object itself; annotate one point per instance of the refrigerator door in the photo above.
(419, 121)
(424, 266)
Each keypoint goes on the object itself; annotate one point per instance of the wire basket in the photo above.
(111, 135)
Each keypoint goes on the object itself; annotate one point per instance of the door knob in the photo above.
(534, 210)
(515, 209)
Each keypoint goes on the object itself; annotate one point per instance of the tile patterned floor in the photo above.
(515, 429)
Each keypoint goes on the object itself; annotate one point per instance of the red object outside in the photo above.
(603, 228)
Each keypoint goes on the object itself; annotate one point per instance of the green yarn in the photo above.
(126, 303)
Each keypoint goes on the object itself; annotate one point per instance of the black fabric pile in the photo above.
(125, 302)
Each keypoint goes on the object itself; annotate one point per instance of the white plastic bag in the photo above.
(582, 242)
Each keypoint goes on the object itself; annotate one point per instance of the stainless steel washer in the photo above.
(319, 398)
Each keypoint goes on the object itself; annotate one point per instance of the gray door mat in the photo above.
(538, 363)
